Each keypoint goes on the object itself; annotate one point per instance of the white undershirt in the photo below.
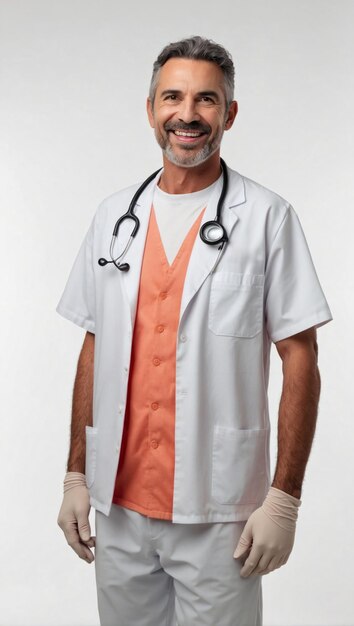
(175, 215)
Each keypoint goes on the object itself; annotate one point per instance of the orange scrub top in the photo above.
(145, 475)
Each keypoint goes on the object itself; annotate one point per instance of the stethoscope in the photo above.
(212, 232)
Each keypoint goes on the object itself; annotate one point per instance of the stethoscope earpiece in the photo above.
(211, 232)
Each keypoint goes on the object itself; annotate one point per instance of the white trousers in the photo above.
(152, 572)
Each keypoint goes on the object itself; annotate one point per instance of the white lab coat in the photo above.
(263, 289)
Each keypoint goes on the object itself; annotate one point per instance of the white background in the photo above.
(74, 77)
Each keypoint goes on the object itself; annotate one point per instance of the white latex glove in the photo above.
(73, 516)
(269, 534)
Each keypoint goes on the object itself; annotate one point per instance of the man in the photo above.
(171, 385)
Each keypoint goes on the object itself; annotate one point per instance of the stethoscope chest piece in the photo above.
(213, 233)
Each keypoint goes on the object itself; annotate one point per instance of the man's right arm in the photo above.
(82, 405)
(73, 516)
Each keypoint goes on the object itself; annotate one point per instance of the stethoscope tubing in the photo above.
(206, 228)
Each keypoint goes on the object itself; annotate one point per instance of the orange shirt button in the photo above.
(155, 406)
(156, 361)
(160, 328)
(154, 443)
(163, 295)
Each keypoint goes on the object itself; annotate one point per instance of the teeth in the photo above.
(183, 133)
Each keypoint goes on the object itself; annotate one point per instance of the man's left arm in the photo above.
(269, 533)
(297, 410)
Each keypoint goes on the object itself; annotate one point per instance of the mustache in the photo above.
(193, 126)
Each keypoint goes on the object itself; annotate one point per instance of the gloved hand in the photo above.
(269, 534)
(73, 516)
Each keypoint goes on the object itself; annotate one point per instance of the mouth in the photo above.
(188, 136)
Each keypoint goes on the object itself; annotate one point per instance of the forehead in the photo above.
(190, 74)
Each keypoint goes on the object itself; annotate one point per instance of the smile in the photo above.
(185, 133)
(188, 136)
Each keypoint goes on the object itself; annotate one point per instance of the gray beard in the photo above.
(193, 160)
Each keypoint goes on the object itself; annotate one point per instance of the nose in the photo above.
(187, 112)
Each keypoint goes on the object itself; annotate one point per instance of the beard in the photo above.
(188, 160)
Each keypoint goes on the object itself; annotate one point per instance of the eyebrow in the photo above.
(212, 94)
(177, 92)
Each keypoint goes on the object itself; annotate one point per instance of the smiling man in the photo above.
(190, 107)
(170, 423)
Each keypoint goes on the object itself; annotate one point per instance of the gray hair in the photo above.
(199, 49)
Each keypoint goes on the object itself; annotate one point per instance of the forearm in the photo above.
(297, 417)
(81, 405)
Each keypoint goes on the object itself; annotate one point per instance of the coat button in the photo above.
(155, 406)
(154, 443)
(156, 361)
(183, 338)
(163, 295)
(160, 328)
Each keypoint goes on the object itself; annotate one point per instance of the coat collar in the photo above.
(203, 257)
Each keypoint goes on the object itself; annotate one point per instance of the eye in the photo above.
(171, 96)
(208, 100)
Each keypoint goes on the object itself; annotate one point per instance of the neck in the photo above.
(176, 179)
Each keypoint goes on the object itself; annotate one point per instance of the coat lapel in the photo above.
(203, 255)
(135, 253)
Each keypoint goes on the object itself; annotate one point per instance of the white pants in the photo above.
(151, 572)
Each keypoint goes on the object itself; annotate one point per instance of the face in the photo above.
(189, 114)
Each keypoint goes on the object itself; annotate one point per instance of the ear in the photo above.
(150, 112)
(231, 114)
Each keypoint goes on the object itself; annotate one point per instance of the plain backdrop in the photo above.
(74, 76)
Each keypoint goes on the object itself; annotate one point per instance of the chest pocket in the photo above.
(236, 304)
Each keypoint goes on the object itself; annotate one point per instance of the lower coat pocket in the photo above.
(239, 473)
